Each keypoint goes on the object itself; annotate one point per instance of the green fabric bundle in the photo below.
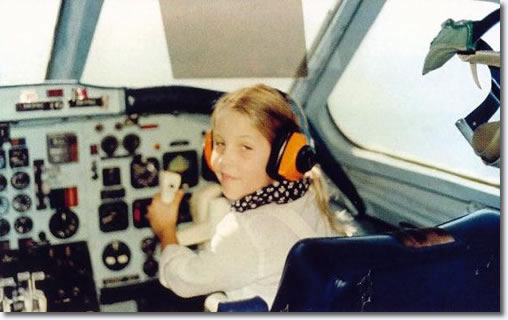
(454, 37)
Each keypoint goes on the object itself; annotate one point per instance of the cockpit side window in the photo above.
(383, 103)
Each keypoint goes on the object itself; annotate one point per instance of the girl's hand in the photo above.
(163, 216)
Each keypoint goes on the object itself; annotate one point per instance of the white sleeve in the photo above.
(231, 262)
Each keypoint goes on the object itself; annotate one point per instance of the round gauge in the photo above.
(3, 183)
(23, 225)
(4, 227)
(109, 145)
(21, 203)
(18, 157)
(20, 180)
(116, 255)
(64, 223)
(144, 173)
(4, 205)
(113, 216)
(131, 142)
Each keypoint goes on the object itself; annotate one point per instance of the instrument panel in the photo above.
(77, 174)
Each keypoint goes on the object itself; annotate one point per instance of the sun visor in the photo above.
(235, 39)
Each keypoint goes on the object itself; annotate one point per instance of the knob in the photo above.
(148, 245)
(150, 267)
(42, 237)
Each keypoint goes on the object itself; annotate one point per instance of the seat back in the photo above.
(389, 273)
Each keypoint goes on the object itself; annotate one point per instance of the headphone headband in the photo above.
(302, 119)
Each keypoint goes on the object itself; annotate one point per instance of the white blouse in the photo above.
(247, 253)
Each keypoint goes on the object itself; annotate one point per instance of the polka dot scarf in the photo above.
(279, 192)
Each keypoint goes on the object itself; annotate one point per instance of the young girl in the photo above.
(267, 216)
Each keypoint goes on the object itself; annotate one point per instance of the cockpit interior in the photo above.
(402, 99)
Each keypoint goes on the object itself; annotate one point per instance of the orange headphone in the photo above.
(292, 154)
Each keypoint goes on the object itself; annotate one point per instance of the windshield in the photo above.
(129, 46)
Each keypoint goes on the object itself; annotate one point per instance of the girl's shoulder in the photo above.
(267, 214)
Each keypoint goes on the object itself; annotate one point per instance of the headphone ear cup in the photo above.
(207, 149)
(291, 158)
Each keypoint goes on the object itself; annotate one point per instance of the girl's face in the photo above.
(240, 154)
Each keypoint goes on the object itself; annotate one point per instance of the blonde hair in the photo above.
(270, 112)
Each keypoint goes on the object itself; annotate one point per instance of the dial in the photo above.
(64, 223)
(116, 255)
(144, 173)
(21, 203)
(113, 216)
(131, 142)
(4, 227)
(109, 145)
(4, 205)
(185, 163)
(20, 180)
(18, 157)
(3, 183)
(23, 224)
